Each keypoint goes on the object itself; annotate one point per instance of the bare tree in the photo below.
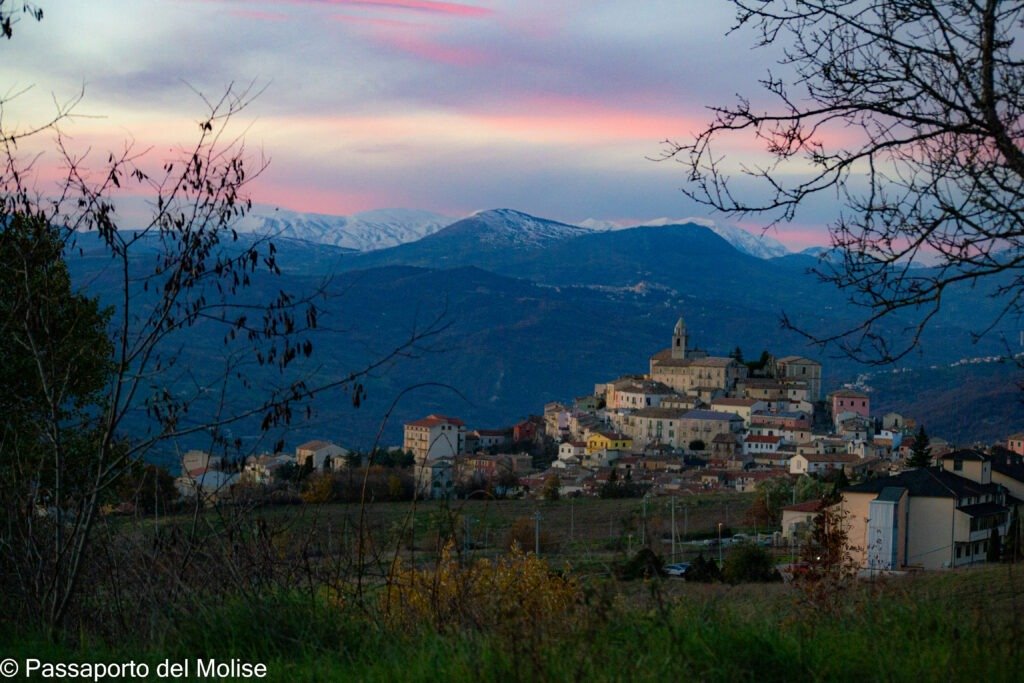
(907, 112)
(11, 12)
(95, 386)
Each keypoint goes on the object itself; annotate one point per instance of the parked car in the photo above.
(678, 569)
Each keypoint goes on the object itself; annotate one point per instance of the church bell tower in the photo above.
(679, 340)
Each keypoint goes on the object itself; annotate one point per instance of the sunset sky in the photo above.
(552, 107)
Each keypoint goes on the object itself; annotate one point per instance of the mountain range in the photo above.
(537, 310)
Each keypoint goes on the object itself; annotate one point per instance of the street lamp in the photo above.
(719, 545)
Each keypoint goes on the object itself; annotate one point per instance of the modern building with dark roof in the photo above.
(930, 517)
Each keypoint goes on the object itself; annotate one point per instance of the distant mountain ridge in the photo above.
(378, 229)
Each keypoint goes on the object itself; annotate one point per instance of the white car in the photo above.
(678, 569)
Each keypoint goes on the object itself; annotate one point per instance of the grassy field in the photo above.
(277, 586)
(955, 626)
(585, 532)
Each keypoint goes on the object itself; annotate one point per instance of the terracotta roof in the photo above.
(806, 506)
(661, 413)
(314, 445)
(838, 457)
(708, 362)
(849, 393)
(797, 359)
(435, 420)
(613, 436)
(754, 438)
(709, 415)
(738, 402)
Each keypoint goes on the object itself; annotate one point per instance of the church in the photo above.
(692, 372)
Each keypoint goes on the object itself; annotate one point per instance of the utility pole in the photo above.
(720, 545)
(673, 529)
(536, 533)
(572, 519)
(643, 525)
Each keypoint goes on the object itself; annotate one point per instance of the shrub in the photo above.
(516, 596)
(703, 570)
(749, 563)
(644, 565)
(523, 535)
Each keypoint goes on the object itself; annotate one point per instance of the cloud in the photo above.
(546, 105)
(448, 8)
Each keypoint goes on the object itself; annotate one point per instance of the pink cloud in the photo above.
(292, 193)
(259, 15)
(796, 236)
(375, 21)
(451, 8)
(417, 46)
(432, 6)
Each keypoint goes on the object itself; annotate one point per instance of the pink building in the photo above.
(848, 401)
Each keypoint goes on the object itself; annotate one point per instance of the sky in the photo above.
(552, 107)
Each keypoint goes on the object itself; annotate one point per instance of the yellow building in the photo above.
(608, 441)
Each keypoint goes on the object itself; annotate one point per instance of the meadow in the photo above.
(393, 591)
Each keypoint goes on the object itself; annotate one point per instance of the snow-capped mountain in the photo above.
(507, 227)
(364, 231)
(760, 246)
(382, 228)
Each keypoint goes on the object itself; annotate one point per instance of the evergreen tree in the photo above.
(995, 547)
(921, 453)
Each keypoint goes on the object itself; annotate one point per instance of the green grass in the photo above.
(958, 626)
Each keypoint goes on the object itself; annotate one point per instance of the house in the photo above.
(206, 483)
(320, 455)
(744, 407)
(633, 393)
(802, 369)
(705, 425)
(798, 518)
(757, 445)
(262, 469)
(200, 460)
(1007, 470)
(526, 430)
(793, 426)
(894, 422)
(1015, 443)
(435, 477)
(725, 446)
(491, 438)
(435, 436)
(820, 463)
(847, 401)
(572, 449)
(777, 393)
(608, 441)
(929, 517)
(655, 426)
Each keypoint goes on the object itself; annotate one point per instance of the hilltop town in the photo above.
(695, 423)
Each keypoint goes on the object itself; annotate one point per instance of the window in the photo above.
(958, 465)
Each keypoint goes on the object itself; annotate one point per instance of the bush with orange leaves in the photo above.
(518, 595)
